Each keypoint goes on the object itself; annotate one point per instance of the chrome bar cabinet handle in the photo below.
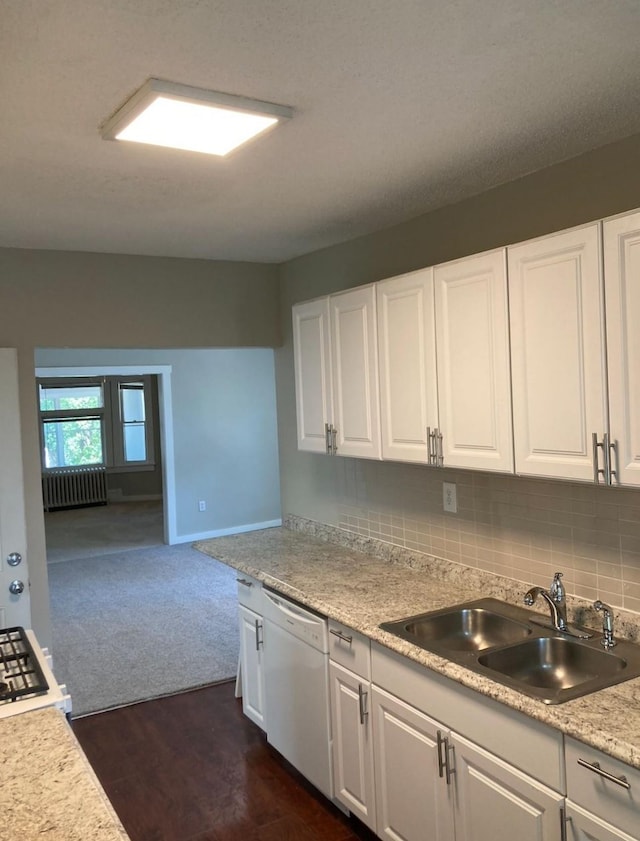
(564, 820)
(597, 470)
(621, 781)
(259, 641)
(429, 446)
(441, 741)
(613, 460)
(448, 752)
(244, 582)
(362, 703)
(341, 636)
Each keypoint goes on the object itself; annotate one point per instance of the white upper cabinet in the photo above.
(472, 334)
(312, 358)
(354, 356)
(407, 353)
(622, 288)
(557, 353)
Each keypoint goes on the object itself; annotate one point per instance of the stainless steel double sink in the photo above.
(511, 645)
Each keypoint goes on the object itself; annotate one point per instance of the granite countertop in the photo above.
(48, 787)
(367, 582)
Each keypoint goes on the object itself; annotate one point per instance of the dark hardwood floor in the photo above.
(191, 767)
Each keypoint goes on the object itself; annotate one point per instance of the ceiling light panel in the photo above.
(166, 114)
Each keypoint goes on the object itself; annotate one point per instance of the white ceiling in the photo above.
(401, 106)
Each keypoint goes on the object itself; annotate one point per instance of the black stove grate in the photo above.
(20, 672)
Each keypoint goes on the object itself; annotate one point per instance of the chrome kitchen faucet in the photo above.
(556, 599)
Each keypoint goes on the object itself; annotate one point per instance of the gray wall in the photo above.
(366, 497)
(76, 300)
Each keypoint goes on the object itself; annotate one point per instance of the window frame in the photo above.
(112, 425)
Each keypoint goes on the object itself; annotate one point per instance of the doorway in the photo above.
(163, 426)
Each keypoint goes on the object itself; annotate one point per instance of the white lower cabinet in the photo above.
(602, 796)
(353, 780)
(584, 826)
(413, 802)
(251, 665)
(495, 800)
(252, 668)
(433, 783)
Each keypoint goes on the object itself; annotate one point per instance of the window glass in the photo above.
(72, 443)
(70, 397)
(135, 448)
(132, 402)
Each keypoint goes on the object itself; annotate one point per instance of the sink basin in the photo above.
(512, 646)
(555, 663)
(466, 629)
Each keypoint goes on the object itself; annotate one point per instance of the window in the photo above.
(101, 421)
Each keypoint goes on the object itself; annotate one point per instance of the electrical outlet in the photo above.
(202, 505)
(449, 497)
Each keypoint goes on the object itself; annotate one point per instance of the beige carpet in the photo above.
(135, 625)
(101, 529)
(133, 618)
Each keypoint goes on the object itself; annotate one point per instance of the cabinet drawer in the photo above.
(249, 592)
(609, 800)
(350, 649)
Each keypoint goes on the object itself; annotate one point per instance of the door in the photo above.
(352, 743)
(583, 826)
(622, 289)
(557, 353)
(407, 355)
(354, 357)
(474, 390)
(15, 608)
(413, 801)
(252, 668)
(312, 358)
(495, 800)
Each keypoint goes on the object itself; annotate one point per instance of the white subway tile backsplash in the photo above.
(526, 529)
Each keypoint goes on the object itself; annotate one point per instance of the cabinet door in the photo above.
(622, 288)
(352, 743)
(495, 800)
(312, 359)
(583, 826)
(252, 669)
(557, 353)
(407, 353)
(413, 801)
(474, 390)
(354, 354)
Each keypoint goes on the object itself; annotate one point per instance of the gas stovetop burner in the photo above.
(20, 672)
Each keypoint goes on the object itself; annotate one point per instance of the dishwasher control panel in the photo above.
(299, 621)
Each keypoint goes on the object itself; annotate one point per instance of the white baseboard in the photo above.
(205, 535)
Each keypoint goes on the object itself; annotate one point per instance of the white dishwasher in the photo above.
(296, 658)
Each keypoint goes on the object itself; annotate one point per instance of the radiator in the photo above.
(74, 487)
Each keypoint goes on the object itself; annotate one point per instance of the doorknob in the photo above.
(14, 559)
(16, 587)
